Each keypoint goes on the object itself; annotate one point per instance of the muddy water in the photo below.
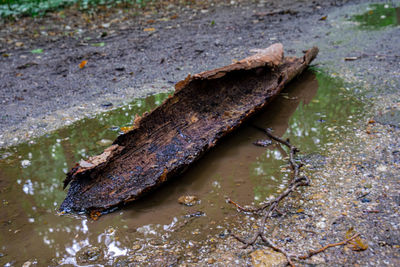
(313, 112)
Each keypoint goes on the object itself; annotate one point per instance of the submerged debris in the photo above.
(188, 200)
(263, 143)
(89, 254)
(268, 209)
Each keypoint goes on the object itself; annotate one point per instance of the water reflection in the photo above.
(314, 111)
(30, 186)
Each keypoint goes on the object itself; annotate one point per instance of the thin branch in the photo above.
(248, 209)
(279, 249)
(296, 180)
(313, 252)
(272, 206)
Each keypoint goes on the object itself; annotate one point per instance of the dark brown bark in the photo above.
(204, 108)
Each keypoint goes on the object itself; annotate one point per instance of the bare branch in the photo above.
(313, 252)
(272, 206)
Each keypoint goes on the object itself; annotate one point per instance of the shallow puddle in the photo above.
(379, 15)
(313, 112)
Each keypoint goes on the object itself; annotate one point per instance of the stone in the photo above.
(104, 142)
(268, 258)
(188, 200)
(391, 118)
(89, 254)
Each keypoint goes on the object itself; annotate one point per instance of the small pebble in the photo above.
(106, 104)
(188, 200)
(365, 200)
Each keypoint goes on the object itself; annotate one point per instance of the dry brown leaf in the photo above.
(95, 215)
(82, 64)
(127, 128)
(194, 119)
(357, 244)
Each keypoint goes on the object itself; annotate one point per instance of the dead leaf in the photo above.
(194, 119)
(95, 215)
(323, 18)
(127, 128)
(82, 64)
(19, 44)
(188, 200)
(149, 29)
(174, 17)
(357, 244)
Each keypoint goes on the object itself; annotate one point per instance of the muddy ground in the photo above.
(132, 55)
(40, 92)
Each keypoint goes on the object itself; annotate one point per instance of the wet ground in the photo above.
(342, 115)
(130, 56)
(235, 169)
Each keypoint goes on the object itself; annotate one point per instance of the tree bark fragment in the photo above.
(163, 143)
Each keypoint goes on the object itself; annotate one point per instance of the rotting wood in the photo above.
(163, 143)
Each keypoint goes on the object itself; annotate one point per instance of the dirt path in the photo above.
(357, 186)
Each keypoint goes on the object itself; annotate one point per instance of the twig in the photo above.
(307, 231)
(279, 249)
(296, 180)
(313, 252)
(251, 209)
(272, 206)
(371, 211)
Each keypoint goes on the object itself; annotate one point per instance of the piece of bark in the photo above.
(163, 143)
